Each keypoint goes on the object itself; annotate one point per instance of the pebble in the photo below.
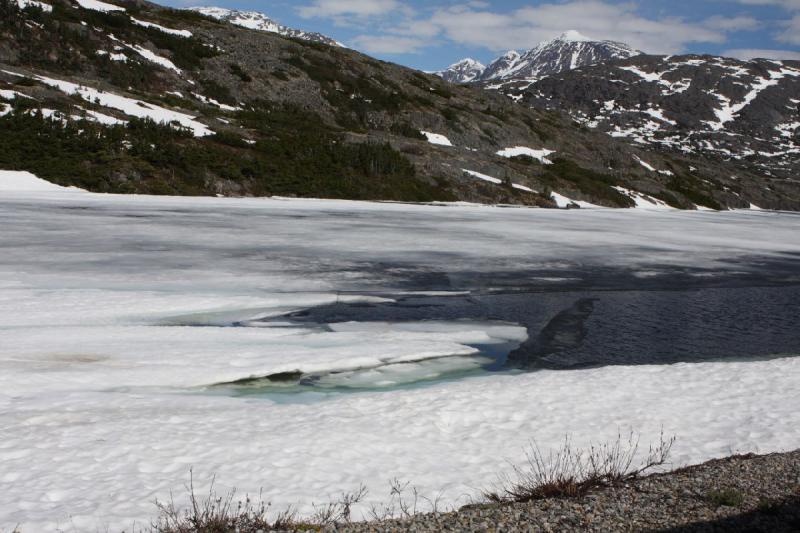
(769, 486)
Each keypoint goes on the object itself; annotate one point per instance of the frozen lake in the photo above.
(303, 347)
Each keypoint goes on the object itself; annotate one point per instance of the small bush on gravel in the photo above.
(568, 472)
(225, 514)
(725, 498)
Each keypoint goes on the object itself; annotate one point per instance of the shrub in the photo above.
(568, 472)
(240, 73)
(224, 514)
(407, 130)
(587, 181)
(725, 498)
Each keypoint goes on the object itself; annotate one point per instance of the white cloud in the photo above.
(525, 27)
(787, 4)
(740, 23)
(390, 44)
(397, 28)
(356, 8)
(748, 53)
(791, 31)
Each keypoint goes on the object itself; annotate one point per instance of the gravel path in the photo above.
(744, 493)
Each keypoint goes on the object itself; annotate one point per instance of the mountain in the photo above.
(746, 112)
(465, 71)
(569, 51)
(132, 97)
(259, 21)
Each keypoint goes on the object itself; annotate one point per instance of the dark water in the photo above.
(590, 318)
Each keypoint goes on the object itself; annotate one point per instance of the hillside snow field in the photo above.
(119, 314)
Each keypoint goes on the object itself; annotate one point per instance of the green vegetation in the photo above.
(353, 96)
(294, 156)
(725, 497)
(60, 42)
(692, 189)
(405, 129)
(240, 73)
(587, 181)
(216, 91)
(525, 160)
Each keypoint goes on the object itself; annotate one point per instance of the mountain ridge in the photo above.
(568, 51)
(256, 20)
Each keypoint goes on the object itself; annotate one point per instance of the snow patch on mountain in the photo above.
(258, 21)
(33, 3)
(437, 138)
(145, 24)
(539, 155)
(129, 106)
(96, 5)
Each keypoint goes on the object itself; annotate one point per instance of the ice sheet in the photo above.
(113, 309)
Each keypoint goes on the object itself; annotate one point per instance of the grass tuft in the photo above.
(725, 498)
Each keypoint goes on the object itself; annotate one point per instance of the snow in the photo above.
(171, 31)
(10, 94)
(573, 36)
(642, 200)
(645, 164)
(436, 138)
(11, 180)
(96, 5)
(211, 101)
(47, 8)
(523, 188)
(104, 119)
(540, 155)
(564, 202)
(659, 114)
(483, 177)
(652, 77)
(728, 111)
(99, 296)
(112, 56)
(154, 58)
(129, 106)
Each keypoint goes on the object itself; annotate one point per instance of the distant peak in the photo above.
(468, 61)
(572, 36)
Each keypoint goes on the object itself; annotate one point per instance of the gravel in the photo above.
(741, 493)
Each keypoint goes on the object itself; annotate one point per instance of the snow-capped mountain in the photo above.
(465, 71)
(259, 21)
(567, 52)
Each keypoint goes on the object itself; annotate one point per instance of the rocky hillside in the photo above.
(134, 97)
(742, 112)
(569, 51)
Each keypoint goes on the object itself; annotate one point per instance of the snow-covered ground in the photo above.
(103, 361)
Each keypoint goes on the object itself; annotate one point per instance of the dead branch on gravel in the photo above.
(218, 514)
(404, 502)
(570, 472)
(212, 513)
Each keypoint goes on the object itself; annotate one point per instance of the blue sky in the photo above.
(431, 34)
